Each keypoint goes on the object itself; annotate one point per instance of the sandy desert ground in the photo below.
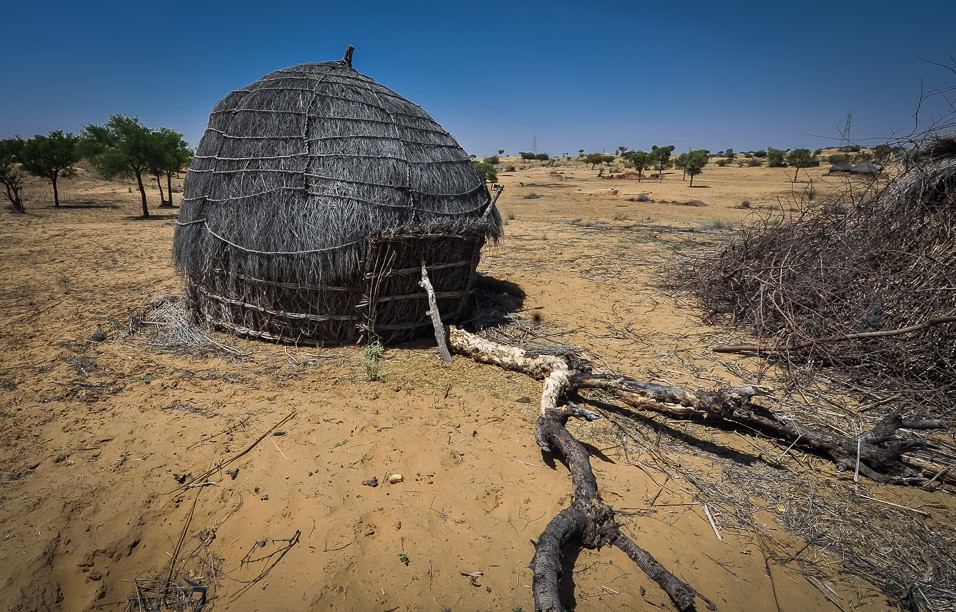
(96, 436)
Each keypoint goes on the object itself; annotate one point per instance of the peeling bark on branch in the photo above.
(590, 522)
(880, 450)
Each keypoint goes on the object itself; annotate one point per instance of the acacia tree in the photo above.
(776, 158)
(50, 157)
(641, 161)
(660, 156)
(595, 159)
(122, 147)
(693, 162)
(801, 158)
(169, 154)
(10, 175)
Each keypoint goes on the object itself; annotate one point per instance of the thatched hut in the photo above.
(314, 199)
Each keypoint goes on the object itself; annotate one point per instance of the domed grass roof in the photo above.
(298, 169)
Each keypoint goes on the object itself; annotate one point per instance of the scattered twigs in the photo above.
(222, 464)
(713, 523)
(273, 559)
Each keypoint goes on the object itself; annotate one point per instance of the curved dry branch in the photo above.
(588, 521)
(879, 452)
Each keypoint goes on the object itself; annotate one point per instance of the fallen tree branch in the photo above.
(880, 450)
(883, 333)
(588, 521)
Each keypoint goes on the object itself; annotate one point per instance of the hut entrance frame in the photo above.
(394, 307)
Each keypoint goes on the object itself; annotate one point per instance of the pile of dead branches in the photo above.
(867, 286)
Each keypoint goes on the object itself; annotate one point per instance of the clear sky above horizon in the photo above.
(503, 75)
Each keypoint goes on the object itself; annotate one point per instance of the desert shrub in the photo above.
(642, 197)
(845, 267)
(753, 162)
(837, 158)
(372, 360)
(760, 154)
(776, 158)
(494, 160)
(722, 162)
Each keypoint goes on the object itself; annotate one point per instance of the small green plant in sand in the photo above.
(372, 360)
(403, 557)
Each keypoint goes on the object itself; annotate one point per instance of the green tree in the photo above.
(693, 162)
(487, 171)
(775, 158)
(50, 157)
(10, 175)
(501, 151)
(542, 157)
(641, 160)
(801, 158)
(122, 147)
(660, 157)
(760, 154)
(494, 160)
(169, 153)
(607, 159)
(526, 155)
(882, 153)
(595, 159)
(729, 154)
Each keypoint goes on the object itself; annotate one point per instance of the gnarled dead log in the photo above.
(879, 452)
(588, 521)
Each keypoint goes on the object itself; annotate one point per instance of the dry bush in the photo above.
(809, 283)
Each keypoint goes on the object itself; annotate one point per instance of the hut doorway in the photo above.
(394, 307)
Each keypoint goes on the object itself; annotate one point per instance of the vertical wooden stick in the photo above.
(436, 316)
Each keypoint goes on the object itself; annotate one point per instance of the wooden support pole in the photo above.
(435, 315)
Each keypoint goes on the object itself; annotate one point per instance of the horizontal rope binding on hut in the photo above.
(298, 181)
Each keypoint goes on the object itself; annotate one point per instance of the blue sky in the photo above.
(573, 75)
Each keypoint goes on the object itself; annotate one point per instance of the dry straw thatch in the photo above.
(314, 198)
(868, 286)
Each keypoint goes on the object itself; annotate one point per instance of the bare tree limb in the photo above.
(883, 333)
